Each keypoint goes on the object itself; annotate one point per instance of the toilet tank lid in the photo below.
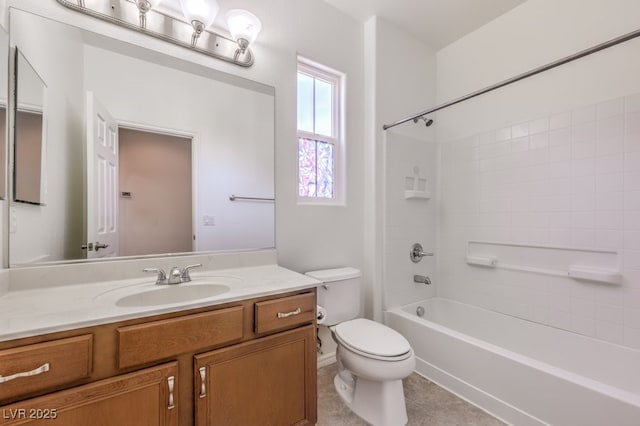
(337, 274)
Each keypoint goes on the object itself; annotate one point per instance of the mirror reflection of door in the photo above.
(102, 181)
(155, 193)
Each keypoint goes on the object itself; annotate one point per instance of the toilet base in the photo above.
(377, 403)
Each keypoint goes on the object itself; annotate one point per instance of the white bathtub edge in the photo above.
(486, 402)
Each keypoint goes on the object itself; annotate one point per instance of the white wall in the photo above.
(53, 231)
(391, 223)
(550, 161)
(403, 83)
(306, 237)
(313, 237)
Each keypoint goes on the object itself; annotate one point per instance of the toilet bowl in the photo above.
(372, 361)
(372, 358)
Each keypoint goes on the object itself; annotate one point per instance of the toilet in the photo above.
(372, 358)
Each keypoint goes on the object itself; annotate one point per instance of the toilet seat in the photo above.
(372, 340)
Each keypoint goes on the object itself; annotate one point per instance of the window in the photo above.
(319, 133)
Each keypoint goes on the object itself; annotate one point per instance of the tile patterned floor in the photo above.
(427, 404)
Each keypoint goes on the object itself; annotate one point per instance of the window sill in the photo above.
(327, 202)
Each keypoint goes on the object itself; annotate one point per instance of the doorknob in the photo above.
(87, 247)
(98, 245)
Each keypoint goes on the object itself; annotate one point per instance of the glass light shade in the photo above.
(243, 25)
(204, 11)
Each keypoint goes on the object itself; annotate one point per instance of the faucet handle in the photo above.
(175, 276)
(184, 275)
(162, 276)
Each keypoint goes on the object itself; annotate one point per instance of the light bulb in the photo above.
(201, 11)
(201, 14)
(244, 27)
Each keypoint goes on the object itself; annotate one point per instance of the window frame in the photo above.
(337, 81)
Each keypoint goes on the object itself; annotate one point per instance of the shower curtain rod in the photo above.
(538, 70)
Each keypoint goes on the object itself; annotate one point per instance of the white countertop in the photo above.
(36, 311)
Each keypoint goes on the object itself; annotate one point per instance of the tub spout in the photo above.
(423, 279)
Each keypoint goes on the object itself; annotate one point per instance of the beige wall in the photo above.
(3, 151)
(156, 169)
(28, 166)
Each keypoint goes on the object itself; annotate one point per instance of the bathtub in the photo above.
(522, 372)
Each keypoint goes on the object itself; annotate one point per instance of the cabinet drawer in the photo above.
(153, 341)
(283, 313)
(29, 369)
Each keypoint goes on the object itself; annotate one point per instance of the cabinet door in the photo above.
(268, 381)
(144, 398)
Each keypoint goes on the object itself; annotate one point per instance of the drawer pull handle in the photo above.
(289, 314)
(42, 369)
(170, 384)
(203, 384)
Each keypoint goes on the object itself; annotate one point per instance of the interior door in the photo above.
(102, 181)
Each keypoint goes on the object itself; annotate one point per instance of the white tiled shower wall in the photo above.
(566, 179)
(408, 221)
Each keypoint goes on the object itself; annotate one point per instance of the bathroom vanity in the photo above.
(233, 359)
(81, 341)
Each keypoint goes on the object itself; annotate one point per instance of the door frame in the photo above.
(195, 142)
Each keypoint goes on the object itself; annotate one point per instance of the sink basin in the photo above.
(169, 294)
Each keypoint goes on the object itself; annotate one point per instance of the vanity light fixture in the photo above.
(191, 30)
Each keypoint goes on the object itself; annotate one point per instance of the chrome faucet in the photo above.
(162, 276)
(176, 275)
(184, 274)
(422, 279)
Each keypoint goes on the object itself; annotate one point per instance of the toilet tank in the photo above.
(340, 294)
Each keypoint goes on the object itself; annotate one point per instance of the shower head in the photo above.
(427, 121)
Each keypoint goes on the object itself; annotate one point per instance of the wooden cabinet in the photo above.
(144, 398)
(242, 363)
(261, 382)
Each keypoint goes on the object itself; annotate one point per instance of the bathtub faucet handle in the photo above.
(422, 279)
(417, 253)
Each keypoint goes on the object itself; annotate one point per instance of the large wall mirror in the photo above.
(143, 152)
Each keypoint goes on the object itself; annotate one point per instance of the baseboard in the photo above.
(326, 359)
(486, 402)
